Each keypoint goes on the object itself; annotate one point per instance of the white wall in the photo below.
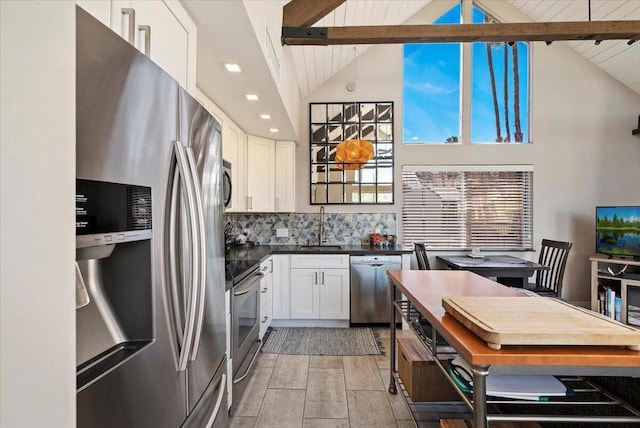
(37, 186)
(268, 14)
(583, 151)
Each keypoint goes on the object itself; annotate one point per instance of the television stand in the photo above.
(607, 274)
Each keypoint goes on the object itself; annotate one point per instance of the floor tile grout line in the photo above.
(306, 390)
(346, 396)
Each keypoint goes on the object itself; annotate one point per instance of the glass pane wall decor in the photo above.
(333, 123)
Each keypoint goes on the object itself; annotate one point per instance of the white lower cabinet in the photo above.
(281, 287)
(266, 293)
(334, 294)
(320, 292)
(305, 294)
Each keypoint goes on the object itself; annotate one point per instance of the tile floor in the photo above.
(301, 391)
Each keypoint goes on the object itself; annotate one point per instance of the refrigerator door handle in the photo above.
(173, 260)
(192, 301)
(216, 409)
(200, 253)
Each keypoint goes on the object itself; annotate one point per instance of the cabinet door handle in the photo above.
(264, 320)
(271, 266)
(147, 38)
(315, 276)
(322, 278)
(131, 13)
(264, 290)
(277, 204)
(250, 202)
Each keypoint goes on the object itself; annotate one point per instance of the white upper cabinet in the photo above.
(234, 147)
(161, 29)
(234, 150)
(99, 9)
(285, 176)
(260, 174)
(270, 175)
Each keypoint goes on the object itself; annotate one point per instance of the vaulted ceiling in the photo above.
(224, 35)
(316, 64)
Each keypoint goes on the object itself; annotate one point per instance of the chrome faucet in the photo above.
(321, 239)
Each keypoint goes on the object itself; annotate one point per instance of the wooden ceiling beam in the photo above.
(495, 32)
(303, 13)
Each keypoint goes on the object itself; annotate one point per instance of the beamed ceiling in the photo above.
(316, 64)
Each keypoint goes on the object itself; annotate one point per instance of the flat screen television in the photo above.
(618, 231)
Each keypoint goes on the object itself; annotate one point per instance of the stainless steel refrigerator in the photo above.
(151, 339)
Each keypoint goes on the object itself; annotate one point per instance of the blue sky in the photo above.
(628, 213)
(431, 89)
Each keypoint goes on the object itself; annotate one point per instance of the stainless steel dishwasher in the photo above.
(369, 301)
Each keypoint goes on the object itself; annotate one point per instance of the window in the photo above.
(435, 95)
(431, 89)
(333, 123)
(460, 207)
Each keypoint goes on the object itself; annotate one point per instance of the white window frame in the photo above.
(424, 221)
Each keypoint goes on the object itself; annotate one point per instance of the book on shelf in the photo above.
(608, 304)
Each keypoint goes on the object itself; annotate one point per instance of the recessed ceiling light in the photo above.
(252, 97)
(265, 116)
(233, 68)
(273, 129)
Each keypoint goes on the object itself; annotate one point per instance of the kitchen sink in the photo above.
(319, 247)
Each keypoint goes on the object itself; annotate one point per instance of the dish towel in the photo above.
(82, 297)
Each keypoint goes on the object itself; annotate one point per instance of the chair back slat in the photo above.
(421, 256)
(553, 254)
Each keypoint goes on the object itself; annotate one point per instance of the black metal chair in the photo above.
(553, 254)
(421, 256)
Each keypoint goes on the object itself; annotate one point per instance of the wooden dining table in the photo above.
(508, 270)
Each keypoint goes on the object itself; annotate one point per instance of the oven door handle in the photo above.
(253, 360)
(257, 277)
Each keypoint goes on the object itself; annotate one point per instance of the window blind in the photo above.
(460, 207)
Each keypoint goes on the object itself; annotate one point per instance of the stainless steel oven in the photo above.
(245, 326)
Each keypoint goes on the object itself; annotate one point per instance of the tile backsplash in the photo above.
(303, 228)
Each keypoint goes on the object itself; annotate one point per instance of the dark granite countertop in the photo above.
(242, 259)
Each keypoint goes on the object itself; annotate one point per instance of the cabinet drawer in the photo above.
(265, 319)
(265, 299)
(315, 261)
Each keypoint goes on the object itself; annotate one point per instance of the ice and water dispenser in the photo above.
(114, 286)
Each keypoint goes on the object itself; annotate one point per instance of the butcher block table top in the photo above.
(426, 290)
(538, 321)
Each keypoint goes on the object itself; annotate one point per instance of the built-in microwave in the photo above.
(227, 188)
